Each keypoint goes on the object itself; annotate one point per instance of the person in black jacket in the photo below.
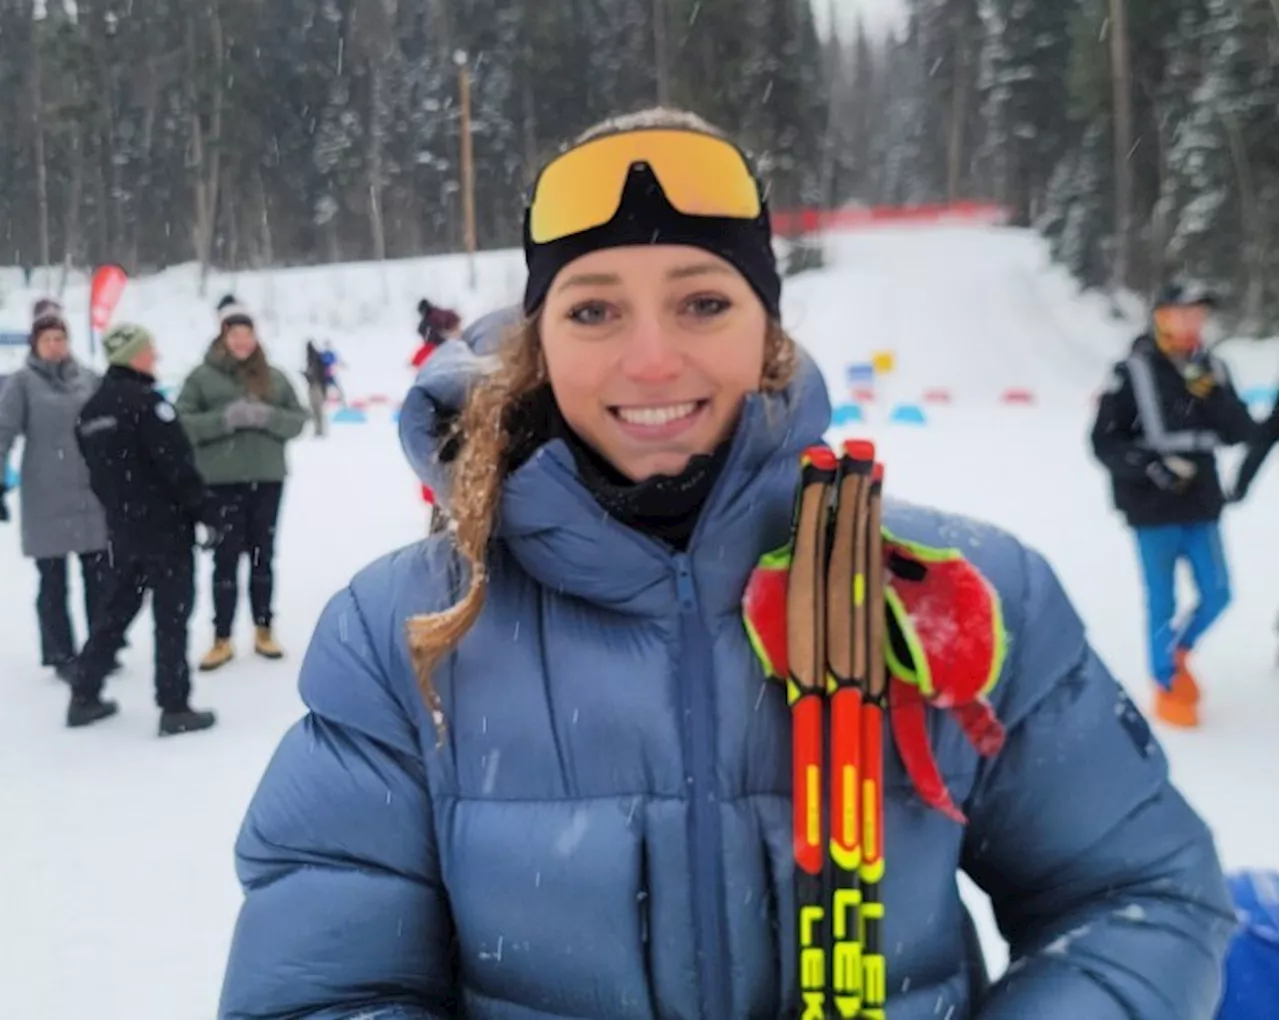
(1170, 406)
(142, 469)
(1264, 439)
(317, 376)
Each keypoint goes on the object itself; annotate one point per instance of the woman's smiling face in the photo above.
(650, 351)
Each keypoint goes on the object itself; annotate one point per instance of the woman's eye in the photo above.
(589, 313)
(706, 306)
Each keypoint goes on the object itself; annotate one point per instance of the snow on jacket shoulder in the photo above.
(605, 831)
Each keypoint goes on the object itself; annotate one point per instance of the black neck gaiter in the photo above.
(665, 507)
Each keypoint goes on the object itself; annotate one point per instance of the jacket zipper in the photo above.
(697, 702)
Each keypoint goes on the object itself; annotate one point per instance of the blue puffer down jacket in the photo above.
(605, 832)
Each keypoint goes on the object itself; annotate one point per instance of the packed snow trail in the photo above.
(974, 310)
(118, 847)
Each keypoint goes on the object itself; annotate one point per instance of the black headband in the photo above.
(645, 216)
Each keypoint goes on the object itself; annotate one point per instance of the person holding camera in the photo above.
(1170, 406)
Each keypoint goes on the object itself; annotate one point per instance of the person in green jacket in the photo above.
(239, 412)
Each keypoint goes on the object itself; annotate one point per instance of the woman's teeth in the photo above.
(656, 415)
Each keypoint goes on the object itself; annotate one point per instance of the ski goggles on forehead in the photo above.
(700, 175)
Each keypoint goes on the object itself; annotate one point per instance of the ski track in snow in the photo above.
(118, 846)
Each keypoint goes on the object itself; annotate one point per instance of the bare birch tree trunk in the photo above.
(376, 141)
(42, 170)
(265, 246)
(1122, 121)
(206, 145)
(959, 115)
(71, 224)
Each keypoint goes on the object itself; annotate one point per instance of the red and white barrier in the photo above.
(796, 222)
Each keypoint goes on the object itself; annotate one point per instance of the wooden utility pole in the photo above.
(468, 166)
(1122, 119)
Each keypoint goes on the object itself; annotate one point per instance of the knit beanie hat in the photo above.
(46, 314)
(232, 313)
(645, 216)
(45, 307)
(125, 342)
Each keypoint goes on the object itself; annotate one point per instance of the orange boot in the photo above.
(1185, 688)
(1171, 709)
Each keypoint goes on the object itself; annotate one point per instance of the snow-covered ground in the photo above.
(115, 863)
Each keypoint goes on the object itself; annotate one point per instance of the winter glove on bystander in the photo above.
(4, 509)
(1172, 474)
(209, 536)
(246, 414)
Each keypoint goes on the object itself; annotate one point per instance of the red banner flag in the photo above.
(108, 285)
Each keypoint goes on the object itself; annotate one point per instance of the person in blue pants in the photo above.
(1171, 405)
(1160, 549)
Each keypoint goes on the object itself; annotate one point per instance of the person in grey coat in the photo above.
(59, 512)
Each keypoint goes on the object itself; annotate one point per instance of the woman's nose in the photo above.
(653, 354)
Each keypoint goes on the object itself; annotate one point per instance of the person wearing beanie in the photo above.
(435, 326)
(46, 308)
(316, 373)
(143, 471)
(240, 412)
(543, 771)
(1169, 407)
(60, 515)
(425, 308)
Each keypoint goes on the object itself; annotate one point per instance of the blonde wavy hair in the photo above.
(484, 433)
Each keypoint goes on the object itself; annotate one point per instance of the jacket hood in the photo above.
(560, 534)
(485, 335)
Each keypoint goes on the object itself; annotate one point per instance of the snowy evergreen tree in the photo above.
(1028, 47)
(1221, 167)
(253, 133)
(904, 172)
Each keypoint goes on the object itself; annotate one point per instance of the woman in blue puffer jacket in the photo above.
(542, 774)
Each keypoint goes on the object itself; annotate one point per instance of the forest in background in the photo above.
(1140, 136)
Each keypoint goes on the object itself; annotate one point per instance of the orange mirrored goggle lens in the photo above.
(700, 175)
